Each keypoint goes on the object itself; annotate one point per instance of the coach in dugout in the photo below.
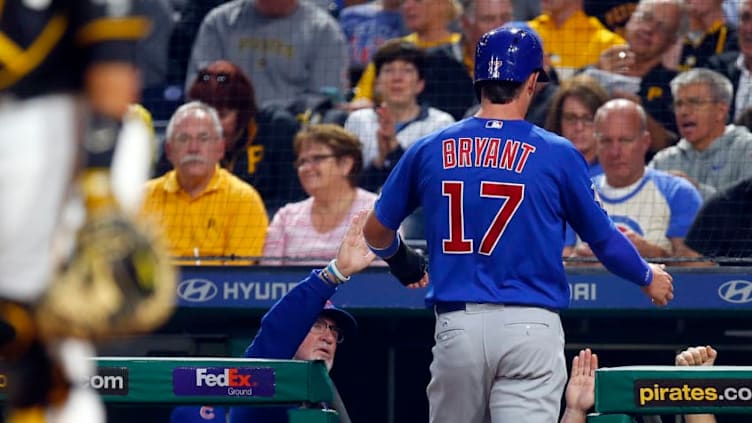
(302, 325)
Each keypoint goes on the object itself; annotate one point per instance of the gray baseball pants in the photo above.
(497, 363)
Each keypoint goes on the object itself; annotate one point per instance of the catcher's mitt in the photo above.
(119, 281)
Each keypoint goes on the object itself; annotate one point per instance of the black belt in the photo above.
(450, 306)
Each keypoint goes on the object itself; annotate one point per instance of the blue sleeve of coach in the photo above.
(289, 320)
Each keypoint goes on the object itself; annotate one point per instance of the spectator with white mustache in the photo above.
(208, 215)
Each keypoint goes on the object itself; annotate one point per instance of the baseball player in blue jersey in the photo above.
(497, 192)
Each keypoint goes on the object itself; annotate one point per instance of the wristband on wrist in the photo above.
(388, 251)
(327, 277)
(334, 270)
(332, 275)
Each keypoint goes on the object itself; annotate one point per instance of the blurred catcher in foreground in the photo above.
(74, 267)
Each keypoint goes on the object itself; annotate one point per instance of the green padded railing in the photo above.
(173, 381)
(215, 381)
(652, 390)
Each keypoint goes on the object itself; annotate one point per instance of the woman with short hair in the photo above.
(328, 162)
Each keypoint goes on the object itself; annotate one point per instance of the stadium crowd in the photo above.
(274, 68)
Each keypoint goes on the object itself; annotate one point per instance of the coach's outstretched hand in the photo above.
(661, 288)
(354, 255)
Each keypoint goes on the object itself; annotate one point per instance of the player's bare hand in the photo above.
(661, 288)
(580, 393)
(422, 283)
(354, 255)
(697, 356)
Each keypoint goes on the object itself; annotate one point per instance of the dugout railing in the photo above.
(141, 381)
(219, 311)
(623, 392)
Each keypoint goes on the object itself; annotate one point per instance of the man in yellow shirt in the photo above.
(208, 215)
(571, 38)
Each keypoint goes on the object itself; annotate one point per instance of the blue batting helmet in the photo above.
(509, 53)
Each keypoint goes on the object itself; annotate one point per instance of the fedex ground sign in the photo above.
(223, 381)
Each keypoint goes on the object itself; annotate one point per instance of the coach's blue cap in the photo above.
(344, 320)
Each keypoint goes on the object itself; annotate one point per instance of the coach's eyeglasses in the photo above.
(316, 159)
(321, 326)
(220, 77)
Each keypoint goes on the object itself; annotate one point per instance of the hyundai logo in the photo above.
(737, 292)
(197, 290)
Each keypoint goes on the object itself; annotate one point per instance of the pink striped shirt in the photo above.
(292, 235)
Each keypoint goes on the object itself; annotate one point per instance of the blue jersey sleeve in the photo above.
(570, 237)
(398, 197)
(622, 259)
(683, 199)
(580, 199)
